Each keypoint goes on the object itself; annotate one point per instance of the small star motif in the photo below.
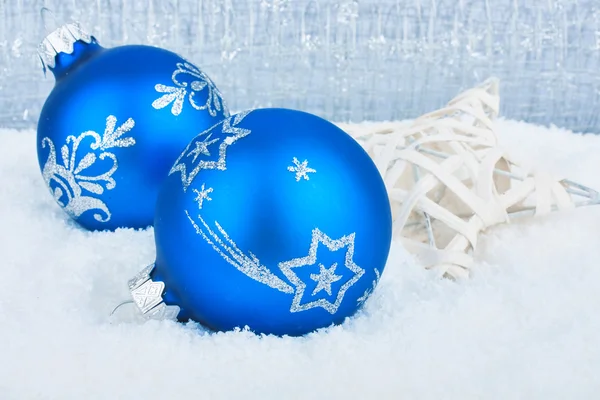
(325, 278)
(202, 195)
(202, 147)
(301, 169)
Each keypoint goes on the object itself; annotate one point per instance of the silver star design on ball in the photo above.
(202, 195)
(325, 278)
(332, 245)
(230, 133)
(301, 169)
(202, 147)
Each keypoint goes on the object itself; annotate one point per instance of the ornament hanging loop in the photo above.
(49, 20)
(50, 24)
(120, 305)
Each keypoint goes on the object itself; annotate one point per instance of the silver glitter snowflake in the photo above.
(202, 195)
(301, 169)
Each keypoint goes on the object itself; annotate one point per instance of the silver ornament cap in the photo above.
(147, 296)
(61, 40)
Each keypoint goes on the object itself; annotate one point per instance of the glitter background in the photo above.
(343, 60)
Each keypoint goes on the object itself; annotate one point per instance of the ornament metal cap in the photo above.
(61, 40)
(147, 295)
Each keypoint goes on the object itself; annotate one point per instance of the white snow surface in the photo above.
(525, 326)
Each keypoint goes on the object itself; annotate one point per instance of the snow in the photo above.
(526, 325)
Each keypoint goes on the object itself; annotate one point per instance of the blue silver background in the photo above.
(343, 60)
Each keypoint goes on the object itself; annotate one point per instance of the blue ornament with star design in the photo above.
(114, 123)
(273, 219)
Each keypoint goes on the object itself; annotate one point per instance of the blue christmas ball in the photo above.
(114, 123)
(273, 219)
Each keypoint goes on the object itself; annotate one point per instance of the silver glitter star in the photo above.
(202, 147)
(311, 259)
(202, 195)
(325, 278)
(301, 169)
(231, 131)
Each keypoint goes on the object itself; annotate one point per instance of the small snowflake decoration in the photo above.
(202, 195)
(301, 169)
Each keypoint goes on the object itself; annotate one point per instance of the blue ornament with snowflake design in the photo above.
(273, 219)
(114, 123)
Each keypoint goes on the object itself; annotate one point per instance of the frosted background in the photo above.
(343, 60)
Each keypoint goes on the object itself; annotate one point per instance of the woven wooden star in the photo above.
(448, 180)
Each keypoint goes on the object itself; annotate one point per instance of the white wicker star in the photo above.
(448, 180)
